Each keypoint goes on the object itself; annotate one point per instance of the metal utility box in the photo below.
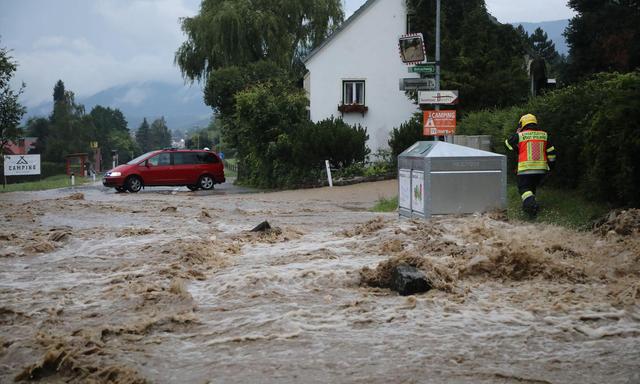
(437, 178)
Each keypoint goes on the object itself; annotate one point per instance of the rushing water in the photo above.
(174, 288)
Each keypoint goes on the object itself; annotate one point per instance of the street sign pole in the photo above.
(438, 49)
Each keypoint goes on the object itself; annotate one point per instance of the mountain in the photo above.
(181, 105)
(554, 29)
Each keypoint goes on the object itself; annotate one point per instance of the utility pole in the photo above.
(437, 47)
(438, 54)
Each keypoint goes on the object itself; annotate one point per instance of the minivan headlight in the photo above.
(114, 174)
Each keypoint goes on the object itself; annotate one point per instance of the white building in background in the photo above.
(355, 73)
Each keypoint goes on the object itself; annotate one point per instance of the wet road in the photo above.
(170, 286)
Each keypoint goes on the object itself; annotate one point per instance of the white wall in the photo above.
(366, 49)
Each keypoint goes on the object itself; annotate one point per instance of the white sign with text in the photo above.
(18, 165)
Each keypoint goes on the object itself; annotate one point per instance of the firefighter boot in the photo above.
(529, 205)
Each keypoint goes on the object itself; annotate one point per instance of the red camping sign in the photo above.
(439, 123)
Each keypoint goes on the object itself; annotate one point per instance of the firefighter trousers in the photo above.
(527, 185)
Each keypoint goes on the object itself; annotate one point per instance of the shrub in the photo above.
(595, 126)
(51, 169)
(404, 136)
(279, 147)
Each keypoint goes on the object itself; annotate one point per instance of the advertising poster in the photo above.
(404, 181)
(417, 191)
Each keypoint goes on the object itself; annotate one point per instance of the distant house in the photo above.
(20, 147)
(355, 73)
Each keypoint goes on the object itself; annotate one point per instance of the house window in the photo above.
(353, 92)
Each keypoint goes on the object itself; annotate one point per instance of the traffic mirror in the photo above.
(412, 49)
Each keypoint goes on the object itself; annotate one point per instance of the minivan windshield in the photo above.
(140, 158)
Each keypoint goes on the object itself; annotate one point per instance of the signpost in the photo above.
(439, 123)
(417, 84)
(426, 69)
(438, 97)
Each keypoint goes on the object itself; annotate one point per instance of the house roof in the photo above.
(344, 25)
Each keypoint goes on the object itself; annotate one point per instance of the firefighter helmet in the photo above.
(526, 120)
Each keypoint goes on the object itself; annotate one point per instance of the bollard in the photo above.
(326, 163)
(73, 179)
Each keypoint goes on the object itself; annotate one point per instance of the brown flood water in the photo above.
(171, 287)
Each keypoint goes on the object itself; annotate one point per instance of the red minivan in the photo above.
(193, 168)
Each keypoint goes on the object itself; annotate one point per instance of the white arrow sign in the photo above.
(438, 97)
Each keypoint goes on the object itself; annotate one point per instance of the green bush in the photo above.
(404, 136)
(594, 125)
(51, 169)
(279, 147)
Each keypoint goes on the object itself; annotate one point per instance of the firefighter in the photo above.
(536, 157)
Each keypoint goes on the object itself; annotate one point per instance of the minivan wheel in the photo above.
(206, 182)
(193, 187)
(134, 184)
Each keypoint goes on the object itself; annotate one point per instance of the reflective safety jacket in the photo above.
(535, 153)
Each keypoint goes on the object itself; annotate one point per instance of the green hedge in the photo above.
(594, 125)
(277, 144)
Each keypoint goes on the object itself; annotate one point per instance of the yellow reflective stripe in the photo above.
(526, 195)
(531, 165)
(551, 149)
(506, 142)
(551, 157)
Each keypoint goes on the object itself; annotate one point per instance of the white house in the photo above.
(355, 73)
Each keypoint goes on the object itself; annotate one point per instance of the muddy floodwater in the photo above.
(170, 286)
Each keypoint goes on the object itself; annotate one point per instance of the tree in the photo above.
(39, 127)
(543, 47)
(143, 136)
(159, 134)
(70, 130)
(237, 32)
(603, 37)
(11, 111)
(122, 142)
(544, 60)
(58, 92)
(480, 57)
(107, 121)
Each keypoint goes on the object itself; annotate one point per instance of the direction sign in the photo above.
(438, 97)
(427, 69)
(417, 84)
(439, 123)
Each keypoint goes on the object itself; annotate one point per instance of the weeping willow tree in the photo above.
(237, 32)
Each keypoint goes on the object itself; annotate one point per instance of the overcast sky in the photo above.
(97, 44)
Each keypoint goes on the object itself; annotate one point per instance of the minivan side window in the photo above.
(184, 158)
(161, 159)
(207, 157)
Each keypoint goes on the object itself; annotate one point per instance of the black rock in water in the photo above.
(264, 226)
(407, 280)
